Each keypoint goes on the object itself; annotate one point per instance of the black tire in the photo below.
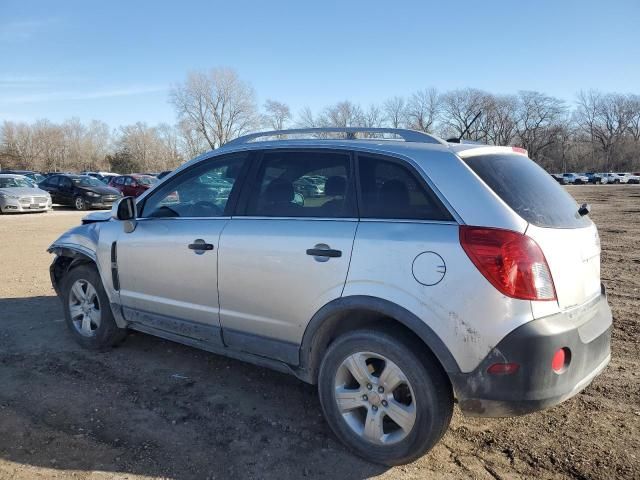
(430, 385)
(107, 334)
(79, 203)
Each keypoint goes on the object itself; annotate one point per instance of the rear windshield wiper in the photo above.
(584, 209)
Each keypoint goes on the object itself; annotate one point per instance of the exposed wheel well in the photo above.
(65, 261)
(377, 316)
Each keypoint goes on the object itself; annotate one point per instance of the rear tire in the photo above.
(87, 310)
(392, 410)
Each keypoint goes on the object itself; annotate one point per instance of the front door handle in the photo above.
(324, 252)
(200, 246)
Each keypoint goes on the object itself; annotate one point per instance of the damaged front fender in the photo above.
(77, 245)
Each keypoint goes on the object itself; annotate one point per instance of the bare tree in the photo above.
(373, 117)
(343, 114)
(459, 108)
(500, 119)
(634, 116)
(422, 109)
(277, 114)
(606, 118)
(540, 118)
(306, 119)
(395, 113)
(168, 152)
(191, 143)
(218, 104)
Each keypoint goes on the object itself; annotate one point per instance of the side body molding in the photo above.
(359, 309)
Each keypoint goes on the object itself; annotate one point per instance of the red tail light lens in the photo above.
(512, 262)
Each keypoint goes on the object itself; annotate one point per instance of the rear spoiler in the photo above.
(472, 149)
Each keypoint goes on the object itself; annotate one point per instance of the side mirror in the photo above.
(124, 209)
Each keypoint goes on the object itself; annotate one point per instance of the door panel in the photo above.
(161, 276)
(269, 285)
(273, 276)
(168, 264)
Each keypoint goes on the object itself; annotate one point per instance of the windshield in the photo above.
(15, 183)
(87, 182)
(146, 180)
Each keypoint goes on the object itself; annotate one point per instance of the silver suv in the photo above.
(398, 272)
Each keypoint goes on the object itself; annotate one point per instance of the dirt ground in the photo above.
(155, 409)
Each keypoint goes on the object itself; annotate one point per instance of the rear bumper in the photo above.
(586, 332)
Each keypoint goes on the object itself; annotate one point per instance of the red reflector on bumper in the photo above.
(503, 368)
(561, 360)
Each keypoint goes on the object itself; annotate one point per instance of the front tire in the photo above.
(385, 397)
(87, 310)
(79, 203)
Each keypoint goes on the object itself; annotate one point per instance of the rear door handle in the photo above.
(324, 252)
(200, 246)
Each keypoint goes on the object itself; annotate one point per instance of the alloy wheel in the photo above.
(84, 308)
(375, 398)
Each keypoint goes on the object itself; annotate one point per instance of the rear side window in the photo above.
(528, 189)
(390, 190)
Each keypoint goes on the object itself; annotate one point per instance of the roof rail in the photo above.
(351, 132)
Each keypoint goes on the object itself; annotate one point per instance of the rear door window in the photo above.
(528, 189)
(303, 184)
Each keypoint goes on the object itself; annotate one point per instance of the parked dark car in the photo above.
(594, 177)
(34, 176)
(558, 178)
(132, 185)
(80, 191)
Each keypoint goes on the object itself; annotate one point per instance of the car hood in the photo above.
(94, 217)
(101, 190)
(24, 191)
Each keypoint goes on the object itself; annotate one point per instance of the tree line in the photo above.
(598, 132)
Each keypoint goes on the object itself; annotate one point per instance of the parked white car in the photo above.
(634, 178)
(575, 178)
(609, 178)
(629, 178)
(19, 194)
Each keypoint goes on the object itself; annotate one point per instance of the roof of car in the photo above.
(10, 175)
(414, 145)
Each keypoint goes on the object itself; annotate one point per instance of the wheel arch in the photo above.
(349, 313)
(67, 258)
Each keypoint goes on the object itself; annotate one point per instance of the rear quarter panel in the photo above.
(467, 313)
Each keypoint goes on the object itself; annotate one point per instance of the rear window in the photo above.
(528, 189)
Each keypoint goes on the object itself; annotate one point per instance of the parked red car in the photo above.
(132, 185)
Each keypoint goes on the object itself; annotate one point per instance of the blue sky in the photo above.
(116, 60)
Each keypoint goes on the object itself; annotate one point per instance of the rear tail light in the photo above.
(512, 262)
